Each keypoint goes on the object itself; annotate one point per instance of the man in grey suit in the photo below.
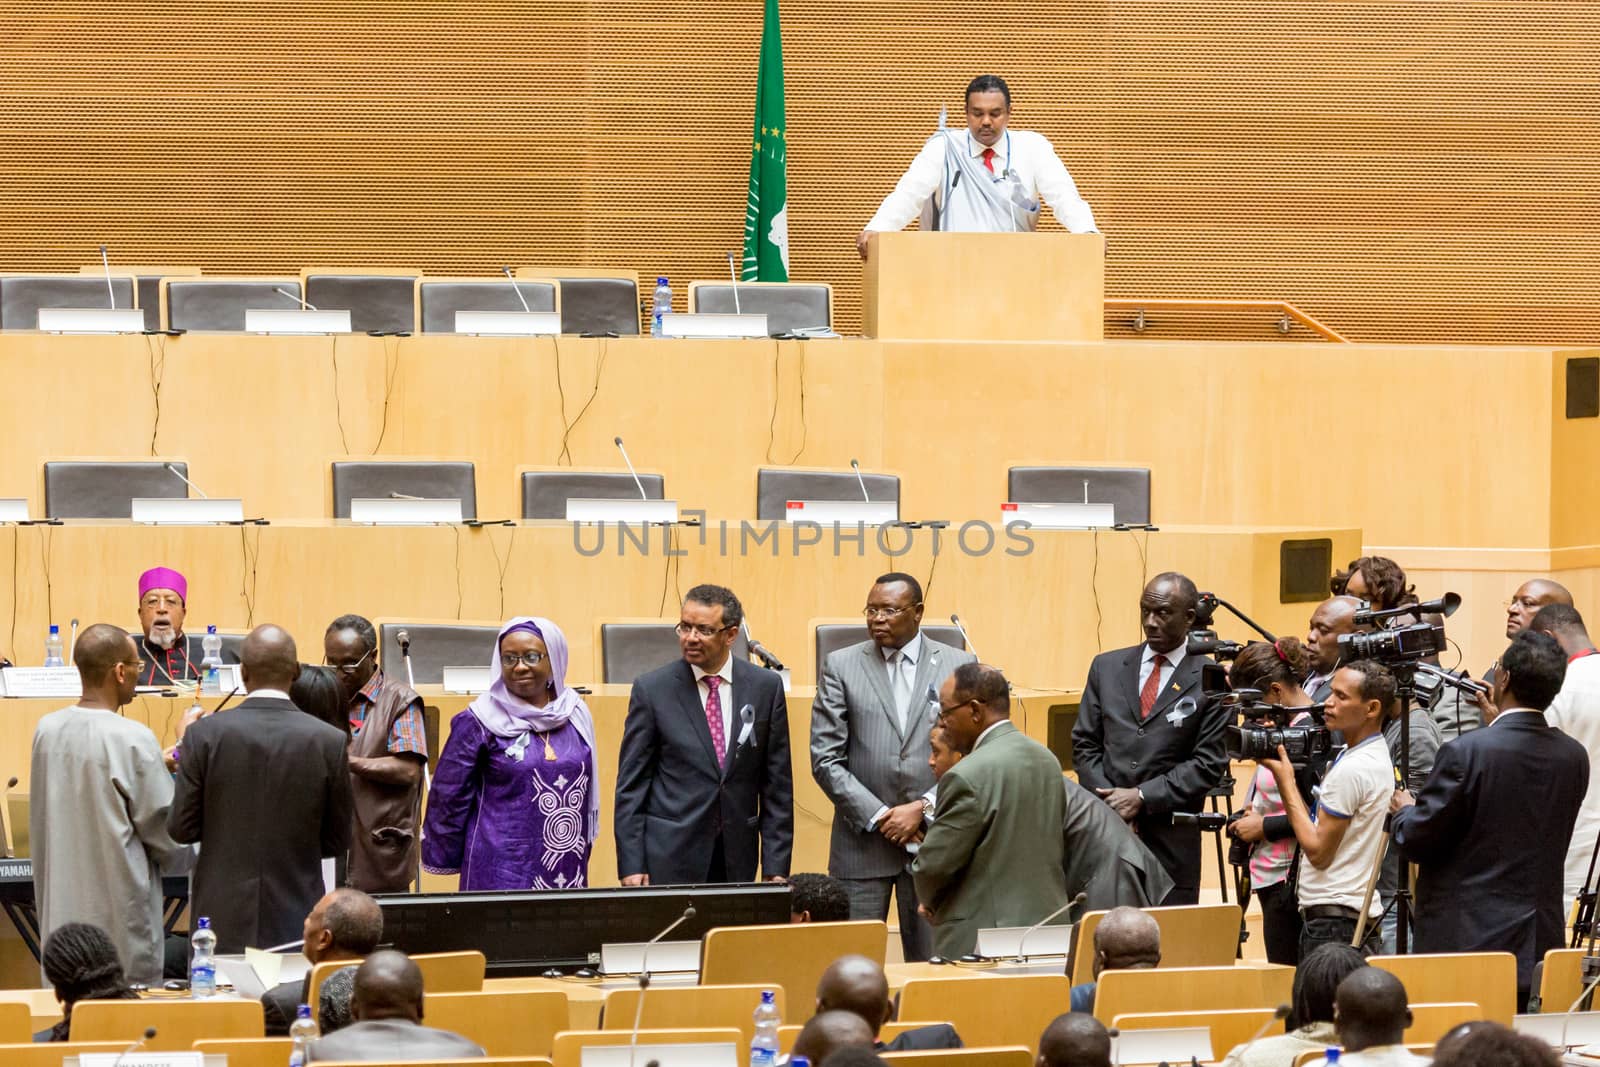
(387, 1004)
(869, 753)
(993, 854)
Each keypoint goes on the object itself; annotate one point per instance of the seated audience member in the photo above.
(1074, 1040)
(857, 984)
(829, 1031)
(345, 925)
(1370, 1014)
(1488, 1044)
(854, 1056)
(387, 1006)
(316, 692)
(1126, 940)
(170, 655)
(1315, 982)
(80, 963)
(817, 898)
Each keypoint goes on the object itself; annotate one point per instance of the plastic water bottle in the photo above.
(764, 1045)
(662, 305)
(211, 662)
(52, 648)
(301, 1034)
(203, 964)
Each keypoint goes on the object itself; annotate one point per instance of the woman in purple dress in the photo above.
(515, 803)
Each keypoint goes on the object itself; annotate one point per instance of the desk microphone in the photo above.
(768, 660)
(405, 496)
(1281, 1012)
(515, 288)
(72, 642)
(405, 653)
(176, 473)
(1116, 1045)
(862, 482)
(1566, 1021)
(105, 262)
(964, 635)
(297, 299)
(149, 1035)
(734, 276)
(644, 980)
(618, 442)
(1081, 898)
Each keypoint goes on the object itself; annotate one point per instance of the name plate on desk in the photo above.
(91, 320)
(42, 682)
(279, 320)
(144, 1059)
(13, 510)
(1179, 1044)
(629, 957)
(1560, 1028)
(473, 680)
(698, 325)
(186, 511)
(1005, 942)
(384, 511)
(1059, 516)
(623, 509)
(843, 512)
(509, 323)
(708, 1054)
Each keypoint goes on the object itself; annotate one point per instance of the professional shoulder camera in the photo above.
(1404, 644)
(1266, 726)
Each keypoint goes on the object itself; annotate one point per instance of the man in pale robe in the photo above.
(99, 795)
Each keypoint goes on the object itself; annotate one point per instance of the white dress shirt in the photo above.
(1576, 712)
(724, 694)
(268, 694)
(1042, 174)
(1147, 658)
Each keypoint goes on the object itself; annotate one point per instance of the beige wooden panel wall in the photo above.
(1402, 171)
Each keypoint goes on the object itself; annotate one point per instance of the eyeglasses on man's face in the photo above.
(685, 629)
(509, 660)
(348, 669)
(883, 613)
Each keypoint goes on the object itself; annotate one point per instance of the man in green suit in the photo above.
(992, 856)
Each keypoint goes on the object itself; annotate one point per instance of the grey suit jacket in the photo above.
(392, 1039)
(1104, 859)
(993, 854)
(862, 758)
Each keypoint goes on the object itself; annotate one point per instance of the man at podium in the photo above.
(988, 179)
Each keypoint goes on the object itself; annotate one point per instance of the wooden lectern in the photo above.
(985, 286)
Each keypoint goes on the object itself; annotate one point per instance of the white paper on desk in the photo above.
(266, 965)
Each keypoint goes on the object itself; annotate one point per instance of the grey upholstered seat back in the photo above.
(599, 305)
(84, 489)
(435, 646)
(442, 299)
(1127, 489)
(545, 493)
(792, 306)
(433, 480)
(232, 641)
(629, 649)
(375, 301)
(832, 636)
(776, 486)
(220, 303)
(22, 296)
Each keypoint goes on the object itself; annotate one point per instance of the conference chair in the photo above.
(692, 1006)
(546, 490)
(791, 957)
(594, 301)
(1126, 489)
(385, 479)
(105, 488)
(830, 635)
(993, 1010)
(991, 1056)
(178, 1023)
(442, 972)
(886, 1033)
(521, 1023)
(435, 645)
(376, 299)
(480, 1061)
(1560, 978)
(788, 306)
(569, 1046)
(1229, 1028)
(1190, 989)
(1192, 935)
(438, 299)
(1486, 978)
(147, 282)
(18, 803)
(776, 486)
(16, 1022)
(628, 648)
(53, 1055)
(250, 1051)
(219, 304)
(44, 1010)
(232, 640)
(1430, 1022)
(22, 295)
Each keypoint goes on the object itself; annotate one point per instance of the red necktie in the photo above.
(1152, 686)
(988, 159)
(719, 740)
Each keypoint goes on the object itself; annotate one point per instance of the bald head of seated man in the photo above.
(1125, 940)
(1529, 598)
(1371, 1014)
(1074, 1040)
(829, 1031)
(387, 1006)
(857, 984)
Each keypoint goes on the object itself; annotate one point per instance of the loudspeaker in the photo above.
(1583, 387)
(1303, 570)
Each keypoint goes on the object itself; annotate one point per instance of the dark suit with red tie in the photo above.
(1174, 755)
(680, 813)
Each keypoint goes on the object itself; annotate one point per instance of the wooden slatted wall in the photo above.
(1402, 171)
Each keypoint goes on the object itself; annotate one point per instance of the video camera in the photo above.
(1266, 726)
(1407, 644)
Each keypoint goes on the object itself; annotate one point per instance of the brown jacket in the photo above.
(383, 848)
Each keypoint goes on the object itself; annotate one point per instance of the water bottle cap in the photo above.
(55, 631)
(211, 629)
(661, 281)
(768, 996)
(303, 1011)
(205, 923)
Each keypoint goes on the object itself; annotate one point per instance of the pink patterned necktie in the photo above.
(719, 740)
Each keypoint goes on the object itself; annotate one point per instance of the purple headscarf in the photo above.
(509, 716)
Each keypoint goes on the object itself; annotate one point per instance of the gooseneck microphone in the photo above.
(644, 980)
(176, 473)
(148, 1035)
(404, 640)
(733, 275)
(1282, 1012)
(105, 263)
(761, 652)
(964, 635)
(618, 442)
(297, 299)
(862, 482)
(515, 288)
(1080, 899)
(1574, 1007)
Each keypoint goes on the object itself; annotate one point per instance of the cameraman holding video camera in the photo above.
(1339, 839)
